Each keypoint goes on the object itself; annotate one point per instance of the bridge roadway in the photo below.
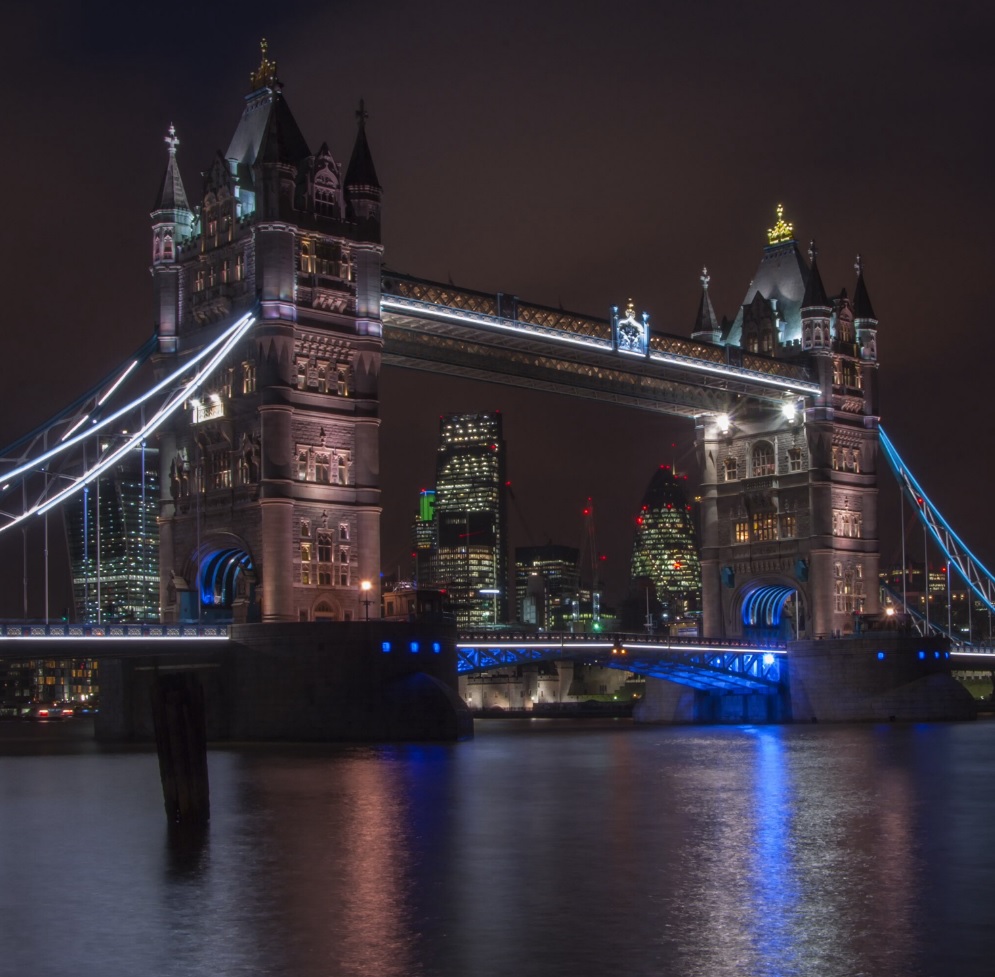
(712, 665)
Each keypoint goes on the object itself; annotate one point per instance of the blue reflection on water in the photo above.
(775, 881)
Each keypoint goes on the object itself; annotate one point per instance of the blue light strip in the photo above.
(929, 515)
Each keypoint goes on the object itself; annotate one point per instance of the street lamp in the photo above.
(365, 586)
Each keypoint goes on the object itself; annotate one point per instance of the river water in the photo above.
(539, 848)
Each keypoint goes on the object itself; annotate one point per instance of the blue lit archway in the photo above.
(225, 574)
(764, 614)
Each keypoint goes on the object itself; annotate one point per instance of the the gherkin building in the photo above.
(665, 549)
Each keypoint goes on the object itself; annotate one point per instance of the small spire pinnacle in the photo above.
(172, 140)
(265, 75)
(705, 278)
(782, 230)
(858, 265)
(361, 114)
(813, 251)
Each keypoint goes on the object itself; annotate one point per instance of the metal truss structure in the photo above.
(701, 664)
(470, 334)
(973, 572)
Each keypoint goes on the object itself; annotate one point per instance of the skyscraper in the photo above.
(547, 578)
(665, 549)
(470, 513)
(113, 541)
(424, 539)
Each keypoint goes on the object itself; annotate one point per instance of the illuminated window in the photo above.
(789, 526)
(322, 467)
(303, 457)
(212, 276)
(248, 377)
(794, 459)
(239, 267)
(227, 380)
(742, 532)
(343, 478)
(762, 459)
(308, 259)
(344, 531)
(341, 385)
(167, 247)
(764, 526)
(224, 272)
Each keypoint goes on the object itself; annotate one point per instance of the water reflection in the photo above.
(535, 849)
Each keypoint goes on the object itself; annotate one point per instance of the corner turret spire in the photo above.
(362, 188)
(862, 308)
(171, 194)
(706, 323)
(815, 292)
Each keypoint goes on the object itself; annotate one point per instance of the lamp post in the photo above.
(365, 586)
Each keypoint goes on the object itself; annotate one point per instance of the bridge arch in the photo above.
(772, 608)
(223, 572)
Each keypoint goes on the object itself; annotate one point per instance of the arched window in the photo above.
(343, 471)
(167, 247)
(762, 459)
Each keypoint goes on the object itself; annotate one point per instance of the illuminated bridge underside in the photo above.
(698, 666)
(445, 330)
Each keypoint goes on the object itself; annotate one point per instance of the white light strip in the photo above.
(82, 420)
(117, 383)
(161, 415)
(63, 446)
(116, 638)
(632, 648)
(554, 335)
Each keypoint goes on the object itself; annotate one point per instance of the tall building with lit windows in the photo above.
(269, 507)
(665, 547)
(547, 583)
(113, 542)
(424, 539)
(470, 515)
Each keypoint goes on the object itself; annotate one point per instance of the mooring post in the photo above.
(181, 741)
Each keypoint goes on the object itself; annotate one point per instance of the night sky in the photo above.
(573, 154)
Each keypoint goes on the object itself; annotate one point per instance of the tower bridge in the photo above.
(274, 316)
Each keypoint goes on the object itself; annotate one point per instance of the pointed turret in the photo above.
(816, 309)
(172, 223)
(706, 324)
(362, 188)
(864, 319)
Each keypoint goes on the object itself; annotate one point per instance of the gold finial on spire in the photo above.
(781, 231)
(630, 310)
(265, 75)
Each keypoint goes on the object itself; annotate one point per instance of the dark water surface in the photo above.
(540, 848)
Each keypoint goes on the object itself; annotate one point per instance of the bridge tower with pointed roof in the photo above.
(270, 506)
(789, 496)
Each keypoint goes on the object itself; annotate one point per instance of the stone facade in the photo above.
(270, 499)
(789, 490)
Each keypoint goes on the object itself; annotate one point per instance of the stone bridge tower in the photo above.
(270, 506)
(789, 492)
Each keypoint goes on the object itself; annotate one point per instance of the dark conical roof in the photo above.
(862, 308)
(815, 292)
(267, 132)
(705, 321)
(171, 195)
(361, 171)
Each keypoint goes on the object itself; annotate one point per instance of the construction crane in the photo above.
(589, 550)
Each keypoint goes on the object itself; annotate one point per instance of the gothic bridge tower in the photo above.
(270, 506)
(789, 493)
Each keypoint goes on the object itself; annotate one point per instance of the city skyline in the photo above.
(596, 184)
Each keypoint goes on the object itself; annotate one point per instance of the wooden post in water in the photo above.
(181, 740)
